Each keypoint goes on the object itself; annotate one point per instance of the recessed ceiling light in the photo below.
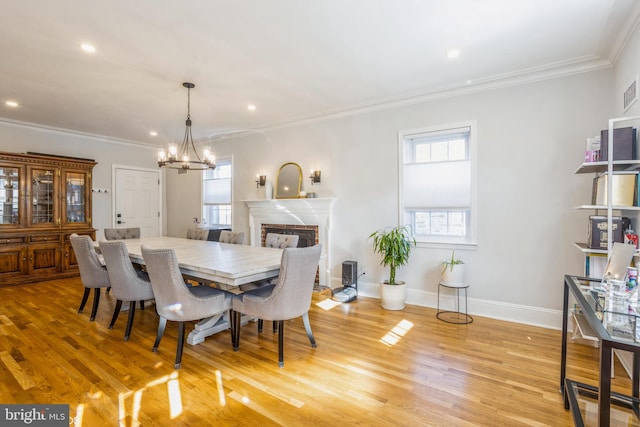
(453, 53)
(153, 133)
(251, 107)
(11, 104)
(89, 48)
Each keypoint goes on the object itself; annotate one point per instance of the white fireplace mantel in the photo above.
(311, 211)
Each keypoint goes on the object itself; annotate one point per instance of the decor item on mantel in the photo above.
(289, 181)
(453, 269)
(180, 159)
(268, 190)
(395, 245)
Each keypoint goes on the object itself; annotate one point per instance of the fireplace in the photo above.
(307, 234)
(310, 219)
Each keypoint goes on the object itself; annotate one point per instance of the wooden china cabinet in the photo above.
(43, 200)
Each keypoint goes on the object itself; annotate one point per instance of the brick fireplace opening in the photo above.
(307, 234)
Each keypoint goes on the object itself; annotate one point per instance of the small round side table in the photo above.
(456, 317)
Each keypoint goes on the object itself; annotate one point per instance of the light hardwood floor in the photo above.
(372, 368)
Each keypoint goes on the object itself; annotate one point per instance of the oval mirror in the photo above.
(289, 181)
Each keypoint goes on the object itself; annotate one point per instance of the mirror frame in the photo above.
(280, 192)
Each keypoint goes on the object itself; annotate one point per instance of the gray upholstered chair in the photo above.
(176, 301)
(198, 234)
(92, 273)
(275, 240)
(288, 299)
(272, 240)
(122, 233)
(233, 237)
(127, 283)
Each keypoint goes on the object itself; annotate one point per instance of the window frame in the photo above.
(220, 161)
(471, 239)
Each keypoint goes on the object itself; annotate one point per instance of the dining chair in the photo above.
(127, 283)
(197, 234)
(93, 273)
(275, 240)
(176, 301)
(233, 237)
(272, 240)
(288, 299)
(122, 233)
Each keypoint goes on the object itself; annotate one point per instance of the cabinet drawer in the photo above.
(45, 238)
(12, 239)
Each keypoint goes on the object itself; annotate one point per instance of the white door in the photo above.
(137, 200)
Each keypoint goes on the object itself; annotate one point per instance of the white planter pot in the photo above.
(455, 275)
(392, 297)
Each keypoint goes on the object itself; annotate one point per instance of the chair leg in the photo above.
(275, 326)
(108, 290)
(280, 343)
(180, 345)
(141, 304)
(307, 327)
(162, 323)
(232, 327)
(132, 312)
(260, 324)
(85, 297)
(96, 301)
(236, 330)
(116, 312)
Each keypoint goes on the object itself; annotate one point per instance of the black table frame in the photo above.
(570, 388)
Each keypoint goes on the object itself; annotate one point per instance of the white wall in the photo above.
(20, 138)
(626, 70)
(530, 140)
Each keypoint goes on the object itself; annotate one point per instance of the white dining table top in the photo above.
(226, 263)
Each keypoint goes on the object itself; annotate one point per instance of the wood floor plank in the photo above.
(371, 367)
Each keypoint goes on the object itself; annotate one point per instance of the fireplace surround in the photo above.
(295, 216)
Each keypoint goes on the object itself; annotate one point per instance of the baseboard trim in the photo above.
(517, 313)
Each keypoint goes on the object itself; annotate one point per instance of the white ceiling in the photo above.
(293, 59)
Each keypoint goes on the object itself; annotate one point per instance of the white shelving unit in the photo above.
(609, 167)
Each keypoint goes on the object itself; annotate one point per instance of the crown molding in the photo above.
(531, 75)
(62, 131)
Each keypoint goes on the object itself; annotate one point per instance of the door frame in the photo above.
(160, 187)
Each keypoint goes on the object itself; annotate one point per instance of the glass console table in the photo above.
(614, 319)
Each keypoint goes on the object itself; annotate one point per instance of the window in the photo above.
(437, 186)
(216, 209)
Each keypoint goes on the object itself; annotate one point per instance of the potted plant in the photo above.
(453, 269)
(394, 244)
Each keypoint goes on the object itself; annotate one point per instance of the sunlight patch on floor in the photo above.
(173, 391)
(328, 304)
(396, 333)
(223, 400)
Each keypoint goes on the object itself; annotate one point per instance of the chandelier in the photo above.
(180, 157)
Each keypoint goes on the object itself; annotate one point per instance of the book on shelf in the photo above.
(624, 189)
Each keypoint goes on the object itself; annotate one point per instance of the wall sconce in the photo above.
(314, 176)
(261, 180)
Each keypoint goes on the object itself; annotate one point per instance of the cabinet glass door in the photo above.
(76, 197)
(9, 195)
(43, 197)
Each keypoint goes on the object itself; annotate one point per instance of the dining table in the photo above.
(223, 265)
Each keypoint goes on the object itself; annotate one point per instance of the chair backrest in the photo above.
(92, 273)
(126, 282)
(198, 234)
(122, 233)
(234, 237)
(291, 296)
(174, 300)
(275, 240)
